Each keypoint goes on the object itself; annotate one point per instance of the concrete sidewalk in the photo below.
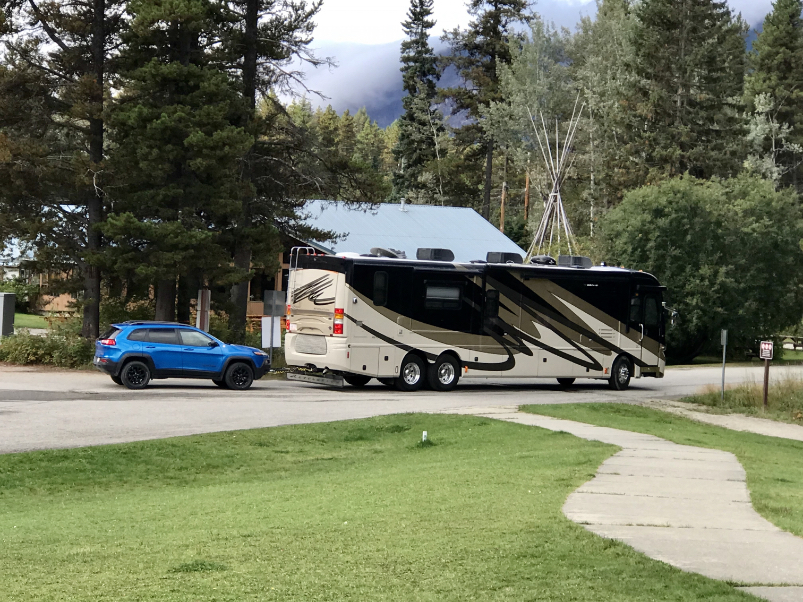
(686, 506)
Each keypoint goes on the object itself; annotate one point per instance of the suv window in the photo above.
(111, 333)
(193, 338)
(139, 334)
(166, 336)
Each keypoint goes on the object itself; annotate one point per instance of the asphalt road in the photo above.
(43, 409)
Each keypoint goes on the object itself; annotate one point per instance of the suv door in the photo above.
(164, 348)
(199, 352)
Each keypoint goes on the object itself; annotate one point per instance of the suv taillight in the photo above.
(108, 342)
(338, 325)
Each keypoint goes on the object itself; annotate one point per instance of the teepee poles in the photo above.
(558, 164)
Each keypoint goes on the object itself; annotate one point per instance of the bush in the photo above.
(63, 347)
(727, 250)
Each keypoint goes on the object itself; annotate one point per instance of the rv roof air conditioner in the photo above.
(392, 253)
(574, 261)
(543, 260)
(502, 257)
(434, 255)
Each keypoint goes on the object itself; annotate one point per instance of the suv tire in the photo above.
(135, 375)
(220, 383)
(239, 376)
(117, 380)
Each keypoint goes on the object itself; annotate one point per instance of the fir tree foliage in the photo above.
(421, 123)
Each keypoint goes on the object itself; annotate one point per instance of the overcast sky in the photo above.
(363, 37)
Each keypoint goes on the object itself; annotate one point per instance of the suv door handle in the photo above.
(189, 348)
(150, 347)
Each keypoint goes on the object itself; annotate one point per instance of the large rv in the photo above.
(411, 323)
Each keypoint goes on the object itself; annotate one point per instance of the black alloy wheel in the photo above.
(565, 382)
(117, 380)
(135, 375)
(444, 373)
(356, 380)
(413, 373)
(239, 376)
(620, 374)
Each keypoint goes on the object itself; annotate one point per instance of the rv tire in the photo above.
(444, 373)
(413, 373)
(621, 371)
(388, 382)
(356, 380)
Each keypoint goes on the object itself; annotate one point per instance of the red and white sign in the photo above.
(765, 353)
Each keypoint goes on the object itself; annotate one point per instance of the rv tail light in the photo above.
(289, 309)
(338, 324)
(107, 342)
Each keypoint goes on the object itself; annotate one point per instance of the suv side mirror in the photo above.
(213, 344)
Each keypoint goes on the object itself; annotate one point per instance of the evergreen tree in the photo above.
(74, 43)
(689, 58)
(777, 71)
(420, 123)
(178, 136)
(475, 53)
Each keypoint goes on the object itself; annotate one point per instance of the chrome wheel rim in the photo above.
(411, 373)
(136, 375)
(624, 373)
(239, 376)
(446, 373)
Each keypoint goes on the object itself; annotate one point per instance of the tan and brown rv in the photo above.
(432, 321)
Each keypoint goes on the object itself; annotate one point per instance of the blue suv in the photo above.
(133, 353)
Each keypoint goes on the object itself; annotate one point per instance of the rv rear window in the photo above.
(442, 297)
(380, 289)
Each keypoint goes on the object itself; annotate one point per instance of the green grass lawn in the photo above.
(773, 465)
(784, 399)
(29, 321)
(344, 511)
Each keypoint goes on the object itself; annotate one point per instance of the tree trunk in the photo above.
(185, 294)
(486, 193)
(94, 208)
(242, 248)
(166, 300)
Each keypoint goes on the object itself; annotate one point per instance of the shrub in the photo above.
(62, 347)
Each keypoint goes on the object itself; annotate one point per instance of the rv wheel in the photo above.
(620, 374)
(444, 373)
(356, 380)
(412, 374)
(388, 382)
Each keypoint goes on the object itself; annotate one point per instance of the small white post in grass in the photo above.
(424, 436)
(724, 342)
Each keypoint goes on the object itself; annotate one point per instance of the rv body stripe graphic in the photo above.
(313, 291)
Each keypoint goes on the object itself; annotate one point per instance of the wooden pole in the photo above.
(502, 209)
(526, 194)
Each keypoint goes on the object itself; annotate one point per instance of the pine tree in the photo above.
(420, 122)
(178, 139)
(777, 71)
(689, 60)
(475, 53)
(74, 43)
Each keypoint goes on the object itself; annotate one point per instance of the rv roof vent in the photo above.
(502, 257)
(574, 261)
(434, 254)
(543, 260)
(392, 253)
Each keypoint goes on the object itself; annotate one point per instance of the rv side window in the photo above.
(491, 304)
(381, 289)
(440, 296)
(652, 315)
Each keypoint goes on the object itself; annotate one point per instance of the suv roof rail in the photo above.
(159, 322)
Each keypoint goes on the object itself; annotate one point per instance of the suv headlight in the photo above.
(258, 352)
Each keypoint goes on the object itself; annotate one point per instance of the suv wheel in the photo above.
(135, 375)
(220, 383)
(239, 376)
(117, 380)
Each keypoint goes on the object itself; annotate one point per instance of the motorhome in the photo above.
(432, 321)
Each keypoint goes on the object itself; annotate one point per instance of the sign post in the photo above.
(765, 353)
(273, 307)
(724, 341)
